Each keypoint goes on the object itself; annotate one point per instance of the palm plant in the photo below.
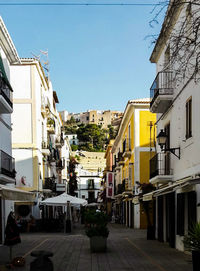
(192, 240)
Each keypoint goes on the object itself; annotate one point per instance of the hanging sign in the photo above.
(110, 185)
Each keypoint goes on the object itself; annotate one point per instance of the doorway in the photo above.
(170, 219)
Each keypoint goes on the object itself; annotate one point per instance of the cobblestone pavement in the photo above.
(128, 249)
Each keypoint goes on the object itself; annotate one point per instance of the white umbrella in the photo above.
(62, 200)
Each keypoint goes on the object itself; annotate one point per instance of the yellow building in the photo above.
(132, 150)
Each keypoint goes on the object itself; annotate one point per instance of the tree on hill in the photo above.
(112, 132)
(70, 126)
(93, 138)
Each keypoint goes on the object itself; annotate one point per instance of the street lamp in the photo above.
(161, 139)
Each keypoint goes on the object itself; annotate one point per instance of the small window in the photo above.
(188, 118)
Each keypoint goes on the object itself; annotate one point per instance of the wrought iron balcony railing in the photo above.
(162, 85)
(160, 165)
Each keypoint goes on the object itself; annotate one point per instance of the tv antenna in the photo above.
(43, 57)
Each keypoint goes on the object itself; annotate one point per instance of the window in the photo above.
(130, 170)
(167, 154)
(91, 184)
(87, 118)
(188, 118)
(129, 137)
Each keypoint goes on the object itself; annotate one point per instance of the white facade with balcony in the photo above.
(89, 184)
(177, 104)
(8, 192)
(37, 138)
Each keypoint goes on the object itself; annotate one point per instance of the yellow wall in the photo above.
(144, 166)
(145, 118)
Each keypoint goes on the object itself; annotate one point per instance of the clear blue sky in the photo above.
(99, 58)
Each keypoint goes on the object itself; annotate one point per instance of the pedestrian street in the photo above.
(127, 249)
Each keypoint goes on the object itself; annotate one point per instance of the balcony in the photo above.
(120, 159)
(6, 105)
(45, 147)
(53, 156)
(161, 92)
(7, 168)
(120, 188)
(51, 126)
(59, 142)
(160, 169)
(50, 184)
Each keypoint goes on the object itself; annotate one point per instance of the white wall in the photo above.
(24, 166)
(22, 123)
(20, 80)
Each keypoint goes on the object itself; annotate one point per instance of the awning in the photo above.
(148, 196)
(12, 193)
(177, 185)
(24, 202)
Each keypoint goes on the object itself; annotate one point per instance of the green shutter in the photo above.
(5, 78)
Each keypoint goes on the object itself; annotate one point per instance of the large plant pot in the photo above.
(98, 244)
(196, 259)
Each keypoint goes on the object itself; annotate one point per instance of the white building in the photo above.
(64, 115)
(175, 171)
(89, 184)
(8, 56)
(37, 144)
(73, 139)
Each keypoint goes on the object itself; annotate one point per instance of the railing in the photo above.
(120, 156)
(6, 92)
(160, 165)
(7, 164)
(120, 188)
(45, 145)
(50, 184)
(162, 85)
(126, 145)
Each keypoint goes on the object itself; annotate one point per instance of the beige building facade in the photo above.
(103, 118)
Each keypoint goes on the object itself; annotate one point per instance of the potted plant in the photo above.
(96, 230)
(192, 243)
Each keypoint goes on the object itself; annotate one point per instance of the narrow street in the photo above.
(128, 249)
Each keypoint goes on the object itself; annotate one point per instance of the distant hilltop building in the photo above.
(64, 115)
(98, 117)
